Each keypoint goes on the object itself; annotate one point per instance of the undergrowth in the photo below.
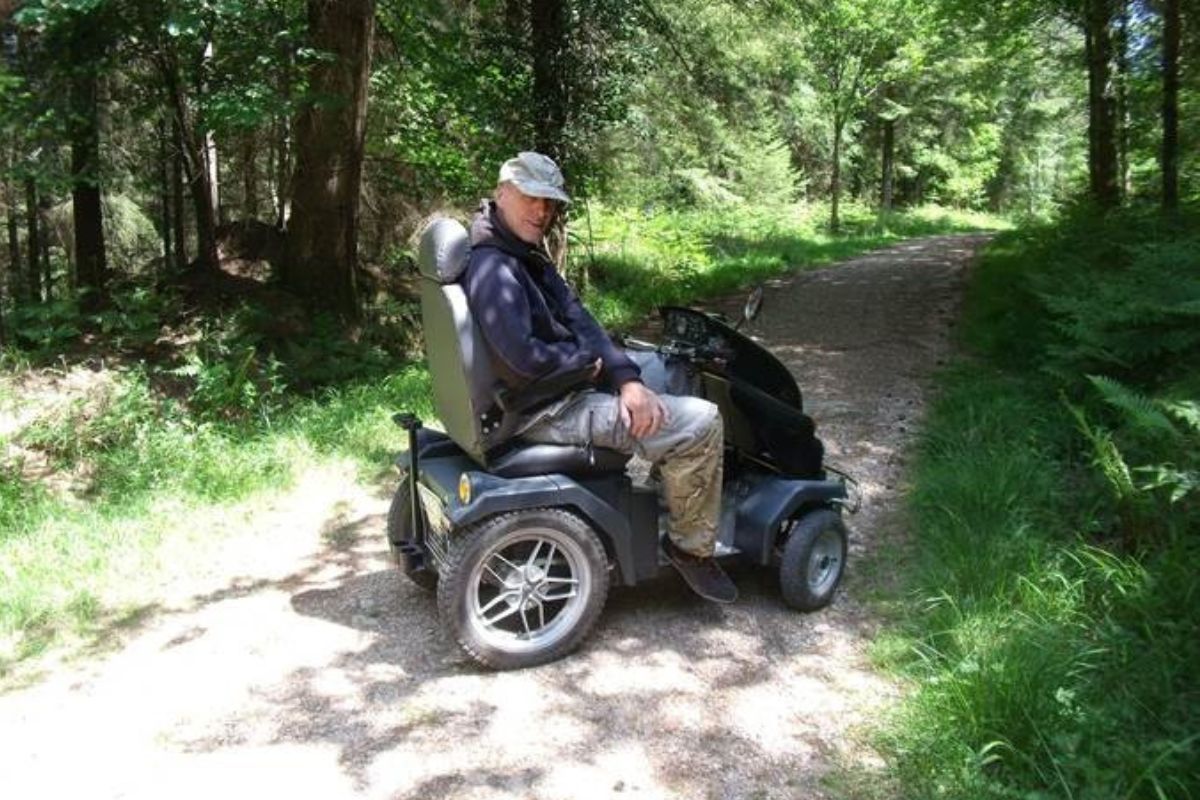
(638, 262)
(1051, 627)
(145, 468)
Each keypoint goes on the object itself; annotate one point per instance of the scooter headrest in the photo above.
(444, 249)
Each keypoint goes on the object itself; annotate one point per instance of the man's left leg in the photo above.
(691, 488)
(688, 451)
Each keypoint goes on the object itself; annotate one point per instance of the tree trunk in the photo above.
(44, 206)
(888, 159)
(197, 177)
(91, 267)
(177, 203)
(548, 24)
(283, 169)
(1122, 109)
(1102, 150)
(511, 45)
(835, 177)
(249, 176)
(213, 171)
(14, 234)
(283, 146)
(33, 275)
(13, 224)
(1170, 105)
(13, 268)
(211, 163)
(195, 168)
(515, 16)
(164, 192)
(322, 238)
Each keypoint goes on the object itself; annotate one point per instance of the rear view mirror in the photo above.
(753, 305)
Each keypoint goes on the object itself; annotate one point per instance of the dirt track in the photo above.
(299, 664)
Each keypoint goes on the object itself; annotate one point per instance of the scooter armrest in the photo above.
(518, 401)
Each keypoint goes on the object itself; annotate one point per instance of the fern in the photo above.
(1179, 482)
(1136, 316)
(1106, 456)
(1140, 411)
(1178, 422)
(1186, 411)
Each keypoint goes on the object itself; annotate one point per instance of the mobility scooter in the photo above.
(521, 541)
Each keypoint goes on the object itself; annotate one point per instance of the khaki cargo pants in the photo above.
(687, 450)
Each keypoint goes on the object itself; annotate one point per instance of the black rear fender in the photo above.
(604, 502)
(774, 500)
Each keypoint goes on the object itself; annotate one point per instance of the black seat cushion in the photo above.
(523, 459)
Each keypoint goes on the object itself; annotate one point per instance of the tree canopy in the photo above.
(143, 136)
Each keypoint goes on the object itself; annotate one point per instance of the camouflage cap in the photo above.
(535, 175)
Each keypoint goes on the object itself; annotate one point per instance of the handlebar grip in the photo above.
(638, 344)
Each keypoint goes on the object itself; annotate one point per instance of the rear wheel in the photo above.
(814, 557)
(523, 588)
(400, 532)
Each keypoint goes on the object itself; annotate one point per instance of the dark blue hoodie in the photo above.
(533, 322)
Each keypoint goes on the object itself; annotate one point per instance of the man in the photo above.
(537, 329)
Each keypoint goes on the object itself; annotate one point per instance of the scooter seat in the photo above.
(525, 459)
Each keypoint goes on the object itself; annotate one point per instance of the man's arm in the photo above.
(618, 368)
(501, 309)
(642, 411)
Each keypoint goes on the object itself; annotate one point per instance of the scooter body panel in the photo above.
(625, 517)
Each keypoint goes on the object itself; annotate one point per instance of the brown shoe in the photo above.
(703, 575)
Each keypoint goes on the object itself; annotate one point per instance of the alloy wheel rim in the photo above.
(528, 590)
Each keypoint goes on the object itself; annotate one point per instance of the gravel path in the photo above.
(299, 664)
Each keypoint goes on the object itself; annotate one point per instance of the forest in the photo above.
(207, 287)
(147, 141)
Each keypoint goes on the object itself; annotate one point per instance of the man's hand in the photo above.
(642, 411)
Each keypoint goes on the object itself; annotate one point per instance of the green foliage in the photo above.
(434, 100)
(132, 317)
(1142, 412)
(356, 420)
(763, 171)
(640, 261)
(1164, 432)
(328, 356)
(232, 382)
(133, 442)
(130, 238)
(47, 327)
(23, 505)
(1051, 632)
(136, 467)
(1141, 321)
(695, 187)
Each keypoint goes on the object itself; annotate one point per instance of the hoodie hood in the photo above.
(489, 230)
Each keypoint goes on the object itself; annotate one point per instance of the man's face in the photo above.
(528, 217)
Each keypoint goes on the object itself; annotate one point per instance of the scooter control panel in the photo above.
(686, 328)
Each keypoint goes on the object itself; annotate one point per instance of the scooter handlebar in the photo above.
(695, 353)
(678, 349)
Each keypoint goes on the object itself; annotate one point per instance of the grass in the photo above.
(128, 468)
(1050, 650)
